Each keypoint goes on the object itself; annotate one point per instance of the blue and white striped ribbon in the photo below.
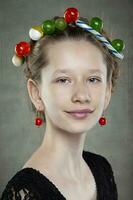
(99, 37)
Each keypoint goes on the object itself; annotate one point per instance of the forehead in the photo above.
(70, 55)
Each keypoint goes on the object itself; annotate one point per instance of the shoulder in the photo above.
(101, 167)
(98, 160)
(23, 185)
(24, 177)
(103, 172)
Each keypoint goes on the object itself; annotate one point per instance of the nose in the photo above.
(81, 94)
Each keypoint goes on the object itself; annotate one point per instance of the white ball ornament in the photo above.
(35, 33)
(17, 61)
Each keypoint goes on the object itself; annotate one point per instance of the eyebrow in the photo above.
(69, 70)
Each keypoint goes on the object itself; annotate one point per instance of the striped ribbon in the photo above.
(99, 37)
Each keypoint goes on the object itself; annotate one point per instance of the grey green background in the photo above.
(19, 138)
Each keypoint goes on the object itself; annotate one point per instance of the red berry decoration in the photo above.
(22, 48)
(71, 15)
(102, 121)
(38, 121)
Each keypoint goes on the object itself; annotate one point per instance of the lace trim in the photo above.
(23, 194)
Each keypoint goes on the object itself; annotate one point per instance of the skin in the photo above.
(62, 146)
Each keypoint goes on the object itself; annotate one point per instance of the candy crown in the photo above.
(48, 27)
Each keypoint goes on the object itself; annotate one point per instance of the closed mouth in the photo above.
(79, 115)
(80, 112)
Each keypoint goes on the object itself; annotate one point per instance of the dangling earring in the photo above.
(102, 121)
(38, 119)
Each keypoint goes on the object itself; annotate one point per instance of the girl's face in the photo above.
(74, 79)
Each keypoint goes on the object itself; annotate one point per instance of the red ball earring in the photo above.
(102, 121)
(38, 119)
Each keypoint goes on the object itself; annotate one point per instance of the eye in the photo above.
(95, 80)
(92, 80)
(62, 80)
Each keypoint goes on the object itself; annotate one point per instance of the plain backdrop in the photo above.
(19, 138)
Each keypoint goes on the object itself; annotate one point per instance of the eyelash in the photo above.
(59, 80)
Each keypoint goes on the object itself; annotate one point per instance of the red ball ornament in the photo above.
(22, 48)
(71, 15)
(38, 121)
(102, 121)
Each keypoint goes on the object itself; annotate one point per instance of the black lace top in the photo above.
(29, 183)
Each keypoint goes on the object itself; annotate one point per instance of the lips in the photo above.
(78, 115)
(81, 111)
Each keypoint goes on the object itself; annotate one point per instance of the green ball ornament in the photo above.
(60, 24)
(48, 27)
(118, 44)
(96, 23)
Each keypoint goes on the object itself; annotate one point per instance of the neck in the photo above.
(63, 152)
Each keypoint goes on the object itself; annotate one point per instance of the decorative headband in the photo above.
(48, 27)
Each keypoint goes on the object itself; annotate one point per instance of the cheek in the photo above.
(98, 90)
(54, 98)
(59, 99)
(98, 94)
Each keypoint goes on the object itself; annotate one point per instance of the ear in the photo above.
(107, 95)
(34, 94)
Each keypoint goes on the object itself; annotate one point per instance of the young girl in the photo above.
(70, 75)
